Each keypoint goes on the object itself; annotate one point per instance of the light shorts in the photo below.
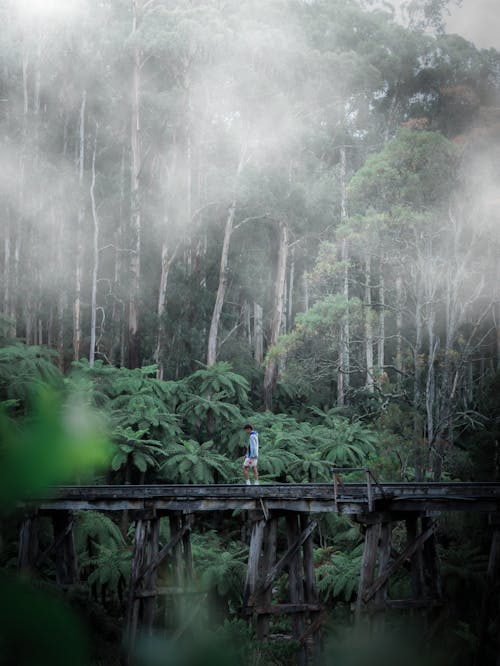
(250, 462)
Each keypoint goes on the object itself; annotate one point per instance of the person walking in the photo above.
(252, 455)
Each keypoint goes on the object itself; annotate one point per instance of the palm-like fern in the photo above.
(219, 567)
(192, 462)
(25, 369)
(338, 573)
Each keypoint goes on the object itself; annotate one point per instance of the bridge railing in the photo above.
(371, 480)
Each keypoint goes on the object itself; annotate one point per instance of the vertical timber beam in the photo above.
(295, 581)
(150, 552)
(416, 560)
(268, 561)
(28, 544)
(133, 602)
(368, 565)
(490, 604)
(385, 543)
(65, 551)
(311, 592)
(432, 574)
(256, 540)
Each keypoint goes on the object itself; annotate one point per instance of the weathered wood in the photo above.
(383, 562)
(310, 590)
(149, 580)
(295, 583)
(268, 561)
(65, 552)
(256, 540)
(367, 565)
(28, 545)
(176, 533)
(133, 602)
(186, 546)
(285, 609)
(309, 498)
(166, 550)
(283, 562)
(432, 574)
(392, 568)
(416, 558)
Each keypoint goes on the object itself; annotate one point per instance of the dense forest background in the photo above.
(214, 212)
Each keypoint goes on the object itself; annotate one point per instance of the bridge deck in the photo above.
(352, 498)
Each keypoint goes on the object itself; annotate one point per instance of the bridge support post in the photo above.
(65, 551)
(263, 569)
(28, 544)
(143, 593)
(420, 553)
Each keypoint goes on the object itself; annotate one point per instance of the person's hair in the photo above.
(247, 427)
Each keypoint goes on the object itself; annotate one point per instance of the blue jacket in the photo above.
(253, 445)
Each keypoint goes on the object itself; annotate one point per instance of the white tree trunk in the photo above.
(221, 289)
(95, 267)
(271, 372)
(369, 382)
(343, 379)
(135, 200)
(77, 325)
(258, 334)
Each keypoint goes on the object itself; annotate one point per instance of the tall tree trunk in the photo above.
(77, 323)
(221, 289)
(134, 341)
(258, 334)
(95, 266)
(369, 383)
(291, 281)
(381, 323)
(271, 372)
(343, 379)
(418, 442)
(399, 331)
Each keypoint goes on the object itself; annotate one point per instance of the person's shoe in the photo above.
(256, 483)
(248, 482)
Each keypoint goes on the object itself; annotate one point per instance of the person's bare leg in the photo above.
(245, 472)
(255, 475)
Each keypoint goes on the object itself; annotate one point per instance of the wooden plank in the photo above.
(256, 540)
(367, 565)
(416, 558)
(392, 568)
(166, 550)
(283, 562)
(285, 609)
(295, 582)
(133, 602)
(27, 559)
(432, 574)
(65, 551)
(151, 551)
(268, 561)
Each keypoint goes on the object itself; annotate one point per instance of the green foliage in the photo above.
(191, 462)
(220, 566)
(24, 370)
(338, 572)
(54, 443)
(102, 552)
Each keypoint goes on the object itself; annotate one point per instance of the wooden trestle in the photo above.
(377, 508)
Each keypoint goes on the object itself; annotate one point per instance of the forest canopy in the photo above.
(283, 212)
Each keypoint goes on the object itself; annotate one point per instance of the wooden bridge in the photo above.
(376, 507)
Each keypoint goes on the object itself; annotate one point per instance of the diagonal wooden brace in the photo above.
(282, 563)
(167, 548)
(392, 568)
